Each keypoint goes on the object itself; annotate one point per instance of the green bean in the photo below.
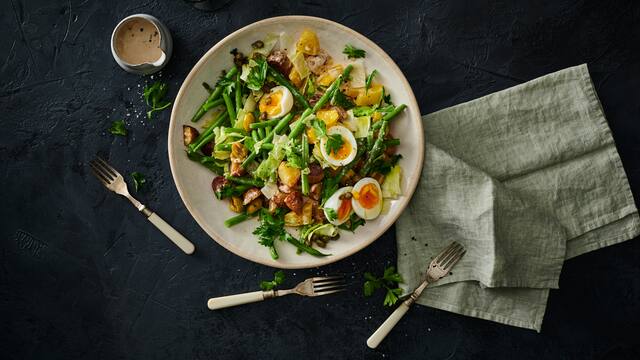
(254, 135)
(390, 115)
(223, 147)
(377, 149)
(268, 129)
(246, 181)
(302, 246)
(305, 165)
(235, 220)
(210, 105)
(261, 133)
(235, 130)
(213, 96)
(268, 147)
(230, 109)
(391, 142)
(280, 79)
(264, 124)
(238, 94)
(208, 134)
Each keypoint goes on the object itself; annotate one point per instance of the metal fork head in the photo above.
(108, 176)
(442, 264)
(318, 286)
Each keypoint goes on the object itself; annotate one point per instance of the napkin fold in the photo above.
(524, 178)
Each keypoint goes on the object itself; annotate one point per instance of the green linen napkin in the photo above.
(524, 178)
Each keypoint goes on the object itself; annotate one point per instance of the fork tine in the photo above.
(445, 252)
(453, 260)
(328, 292)
(456, 249)
(97, 170)
(108, 167)
(319, 279)
(329, 286)
(98, 166)
(97, 175)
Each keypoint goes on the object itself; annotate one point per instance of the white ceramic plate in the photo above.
(194, 181)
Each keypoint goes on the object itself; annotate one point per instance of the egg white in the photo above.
(367, 214)
(286, 101)
(334, 203)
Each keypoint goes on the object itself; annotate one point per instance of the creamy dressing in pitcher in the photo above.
(138, 41)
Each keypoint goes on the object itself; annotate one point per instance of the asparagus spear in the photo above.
(378, 148)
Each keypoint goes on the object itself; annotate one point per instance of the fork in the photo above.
(438, 268)
(113, 181)
(315, 286)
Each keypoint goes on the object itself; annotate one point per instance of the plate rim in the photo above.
(328, 259)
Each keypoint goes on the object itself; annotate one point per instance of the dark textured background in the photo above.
(82, 275)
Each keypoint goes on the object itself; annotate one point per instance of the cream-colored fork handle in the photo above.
(387, 325)
(173, 235)
(393, 319)
(234, 300)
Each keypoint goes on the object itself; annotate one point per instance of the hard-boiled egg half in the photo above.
(277, 103)
(338, 209)
(367, 198)
(347, 151)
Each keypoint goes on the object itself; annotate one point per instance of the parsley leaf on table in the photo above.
(117, 128)
(352, 52)
(334, 143)
(278, 278)
(388, 281)
(154, 97)
(138, 180)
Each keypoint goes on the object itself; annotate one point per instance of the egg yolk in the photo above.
(368, 196)
(344, 210)
(343, 152)
(270, 103)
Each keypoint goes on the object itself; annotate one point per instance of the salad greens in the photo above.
(267, 138)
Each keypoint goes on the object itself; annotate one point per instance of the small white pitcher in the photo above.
(166, 46)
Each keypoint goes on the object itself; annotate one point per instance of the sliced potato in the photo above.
(190, 134)
(292, 219)
(307, 213)
(288, 175)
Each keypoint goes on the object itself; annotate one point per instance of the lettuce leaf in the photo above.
(391, 186)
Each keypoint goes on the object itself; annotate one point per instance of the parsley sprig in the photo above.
(278, 278)
(389, 281)
(154, 97)
(334, 143)
(138, 180)
(353, 52)
(117, 128)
